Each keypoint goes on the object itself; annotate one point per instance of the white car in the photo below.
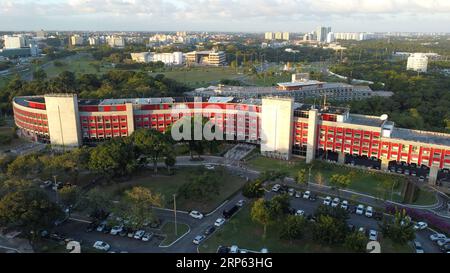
(443, 242)
(360, 209)
(307, 194)
(195, 214)
(335, 202)
(234, 249)
(219, 222)
(46, 184)
(116, 230)
(209, 167)
(418, 247)
(369, 211)
(344, 205)
(437, 237)
(276, 187)
(198, 239)
(327, 201)
(139, 234)
(291, 192)
(300, 212)
(240, 203)
(373, 235)
(100, 245)
(420, 226)
(147, 237)
(298, 194)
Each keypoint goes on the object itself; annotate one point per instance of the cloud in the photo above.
(219, 12)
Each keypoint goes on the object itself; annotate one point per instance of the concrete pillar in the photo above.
(433, 175)
(311, 145)
(341, 157)
(130, 118)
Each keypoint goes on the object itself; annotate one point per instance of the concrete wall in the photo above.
(63, 120)
(311, 145)
(277, 127)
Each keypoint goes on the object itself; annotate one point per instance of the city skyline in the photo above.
(221, 15)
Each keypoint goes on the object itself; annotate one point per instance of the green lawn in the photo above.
(169, 185)
(169, 230)
(362, 181)
(200, 76)
(78, 64)
(245, 233)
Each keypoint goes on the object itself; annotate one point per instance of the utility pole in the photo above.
(175, 213)
(56, 189)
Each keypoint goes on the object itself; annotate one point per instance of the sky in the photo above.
(226, 15)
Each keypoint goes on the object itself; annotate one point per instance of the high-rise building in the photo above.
(93, 41)
(13, 42)
(286, 36)
(278, 35)
(417, 62)
(330, 38)
(268, 36)
(76, 40)
(115, 41)
(322, 33)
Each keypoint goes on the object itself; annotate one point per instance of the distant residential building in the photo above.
(286, 36)
(268, 36)
(278, 35)
(213, 58)
(321, 34)
(115, 41)
(141, 57)
(76, 40)
(93, 41)
(417, 62)
(41, 34)
(330, 38)
(14, 42)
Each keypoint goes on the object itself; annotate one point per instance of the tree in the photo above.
(98, 202)
(253, 189)
(279, 205)
(69, 195)
(139, 203)
(170, 161)
(151, 143)
(399, 228)
(260, 213)
(329, 230)
(28, 210)
(340, 181)
(201, 186)
(356, 242)
(39, 75)
(337, 212)
(301, 177)
(293, 227)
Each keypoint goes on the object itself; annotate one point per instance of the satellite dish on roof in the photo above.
(383, 117)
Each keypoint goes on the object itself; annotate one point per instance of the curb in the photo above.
(179, 238)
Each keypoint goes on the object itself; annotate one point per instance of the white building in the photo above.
(417, 62)
(286, 36)
(175, 58)
(115, 41)
(321, 34)
(76, 40)
(12, 42)
(93, 41)
(141, 57)
(330, 38)
(268, 36)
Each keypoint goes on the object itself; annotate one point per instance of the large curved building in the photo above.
(281, 126)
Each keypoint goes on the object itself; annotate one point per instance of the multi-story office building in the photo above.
(281, 126)
(14, 42)
(175, 58)
(417, 62)
(277, 36)
(213, 58)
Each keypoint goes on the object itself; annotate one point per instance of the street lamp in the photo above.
(56, 188)
(175, 213)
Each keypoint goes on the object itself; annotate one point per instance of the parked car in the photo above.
(209, 230)
(195, 214)
(46, 184)
(307, 194)
(327, 201)
(240, 203)
(291, 192)
(360, 209)
(219, 222)
(147, 237)
(124, 232)
(362, 230)
(445, 248)
(228, 213)
(101, 227)
(373, 235)
(276, 187)
(420, 226)
(369, 212)
(335, 202)
(313, 197)
(116, 230)
(234, 249)
(107, 229)
(298, 194)
(344, 205)
(209, 167)
(100, 245)
(377, 215)
(437, 236)
(198, 239)
(418, 247)
(139, 234)
(130, 233)
(223, 249)
(300, 212)
(443, 242)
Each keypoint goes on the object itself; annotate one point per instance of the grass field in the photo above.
(169, 185)
(362, 181)
(78, 64)
(169, 230)
(245, 233)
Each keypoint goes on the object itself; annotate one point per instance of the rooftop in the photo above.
(421, 136)
(365, 120)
